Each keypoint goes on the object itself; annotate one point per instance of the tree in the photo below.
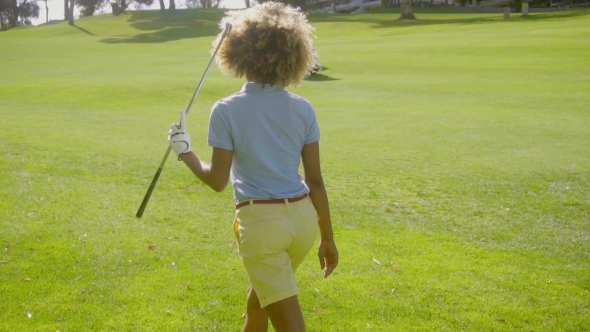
(15, 13)
(247, 3)
(162, 6)
(46, 12)
(71, 13)
(88, 7)
(26, 10)
(12, 13)
(202, 3)
(172, 5)
(406, 10)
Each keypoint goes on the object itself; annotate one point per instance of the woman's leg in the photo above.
(286, 315)
(256, 317)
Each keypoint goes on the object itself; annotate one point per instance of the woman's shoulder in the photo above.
(300, 102)
(297, 97)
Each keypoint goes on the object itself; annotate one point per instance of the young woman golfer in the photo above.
(259, 136)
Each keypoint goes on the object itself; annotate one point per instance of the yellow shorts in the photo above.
(273, 240)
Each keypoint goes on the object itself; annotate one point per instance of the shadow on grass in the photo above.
(381, 21)
(84, 30)
(169, 26)
(317, 77)
(165, 26)
(321, 76)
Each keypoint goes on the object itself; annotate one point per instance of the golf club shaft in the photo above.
(148, 194)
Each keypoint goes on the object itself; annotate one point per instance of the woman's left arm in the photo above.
(216, 174)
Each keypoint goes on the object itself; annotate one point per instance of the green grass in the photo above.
(455, 151)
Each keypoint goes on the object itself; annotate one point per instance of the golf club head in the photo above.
(227, 28)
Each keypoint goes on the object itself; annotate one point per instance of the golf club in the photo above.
(148, 194)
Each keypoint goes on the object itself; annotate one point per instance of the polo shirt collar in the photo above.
(257, 87)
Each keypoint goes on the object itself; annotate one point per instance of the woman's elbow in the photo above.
(218, 186)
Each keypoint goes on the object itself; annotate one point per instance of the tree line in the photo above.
(14, 13)
(17, 12)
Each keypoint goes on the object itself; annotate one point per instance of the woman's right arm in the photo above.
(327, 252)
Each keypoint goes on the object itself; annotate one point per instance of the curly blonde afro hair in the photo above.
(270, 43)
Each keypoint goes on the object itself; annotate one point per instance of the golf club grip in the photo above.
(148, 194)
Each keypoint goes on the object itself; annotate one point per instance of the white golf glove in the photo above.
(178, 136)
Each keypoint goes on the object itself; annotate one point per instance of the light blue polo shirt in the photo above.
(266, 129)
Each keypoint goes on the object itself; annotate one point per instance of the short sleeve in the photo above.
(313, 130)
(219, 130)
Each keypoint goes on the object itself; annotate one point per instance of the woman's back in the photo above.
(266, 128)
